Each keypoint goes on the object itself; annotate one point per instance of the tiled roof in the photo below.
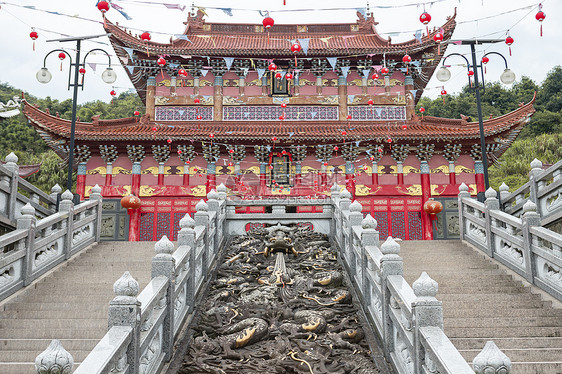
(222, 40)
(418, 130)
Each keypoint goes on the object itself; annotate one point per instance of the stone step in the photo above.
(500, 311)
(27, 356)
(54, 306)
(492, 332)
(505, 343)
(504, 322)
(536, 367)
(40, 345)
(63, 333)
(468, 305)
(522, 355)
(100, 313)
(54, 324)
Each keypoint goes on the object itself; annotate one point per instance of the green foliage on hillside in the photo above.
(22, 139)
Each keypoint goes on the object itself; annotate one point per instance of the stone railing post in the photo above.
(529, 219)
(355, 218)
(186, 237)
(66, 205)
(504, 193)
(463, 192)
(55, 192)
(125, 310)
(214, 206)
(11, 165)
(54, 360)
(491, 203)
(536, 169)
(391, 264)
(426, 311)
(201, 218)
(27, 221)
(95, 194)
(164, 264)
(491, 360)
(369, 237)
(335, 191)
(345, 200)
(335, 195)
(221, 191)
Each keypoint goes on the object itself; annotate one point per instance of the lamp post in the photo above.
(44, 76)
(507, 77)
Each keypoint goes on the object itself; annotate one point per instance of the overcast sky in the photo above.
(532, 55)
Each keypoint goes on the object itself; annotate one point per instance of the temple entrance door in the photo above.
(281, 172)
(396, 217)
(446, 226)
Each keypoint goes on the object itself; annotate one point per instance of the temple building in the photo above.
(241, 105)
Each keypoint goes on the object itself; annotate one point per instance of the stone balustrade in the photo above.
(15, 192)
(408, 319)
(520, 243)
(38, 245)
(543, 189)
(143, 327)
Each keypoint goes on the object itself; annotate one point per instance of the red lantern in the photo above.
(274, 138)
(182, 73)
(230, 164)
(375, 76)
(199, 117)
(113, 93)
(406, 59)
(231, 151)
(271, 166)
(137, 113)
(33, 35)
(169, 141)
(540, 16)
(161, 62)
(62, 56)
(272, 67)
(470, 75)
(422, 110)
(289, 76)
(389, 140)
(485, 60)
(438, 37)
(281, 117)
(325, 164)
(372, 158)
(103, 6)
(425, 18)
(145, 36)
(349, 116)
(196, 101)
(404, 127)
(179, 152)
(370, 102)
(211, 136)
(82, 71)
(283, 152)
(380, 150)
(385, 70)
(296, 48)
(432, 208)
(344, 133)
(336, 148)
(268, 23)
(509, 41)
(278, 76)
(443, 93)
(154, 128)
(131, 202)
(283, 105)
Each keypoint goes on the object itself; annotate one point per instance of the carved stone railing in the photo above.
(143, 327)
(521, 244)
(15, 192)
(38, 245)
(277, 210)
(409, 320)
(544, 189)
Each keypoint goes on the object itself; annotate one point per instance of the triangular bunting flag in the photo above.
(333, 61)
(227, 11)
(182, 37)
(350, 99)
(204, 72)
(261, 72)
(131, 68)
(345, 70)
(304, 44)
(418, 36)
(313, 114)
(246, 114)
(366, 72)
(129, 52)
(92, 65)
(414, 92)
(228, 61)
(363, 11)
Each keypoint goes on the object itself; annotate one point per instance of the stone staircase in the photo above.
(482, 302)
(70, 304)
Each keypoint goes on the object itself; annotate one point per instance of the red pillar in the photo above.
(479, 170)
(263, 179)
(109, 174)
(134, 214)
(81, 180)
(186, 174)
(161, 174)
(427, 223)
(400, 172)
(452, 175)
(375, 174)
